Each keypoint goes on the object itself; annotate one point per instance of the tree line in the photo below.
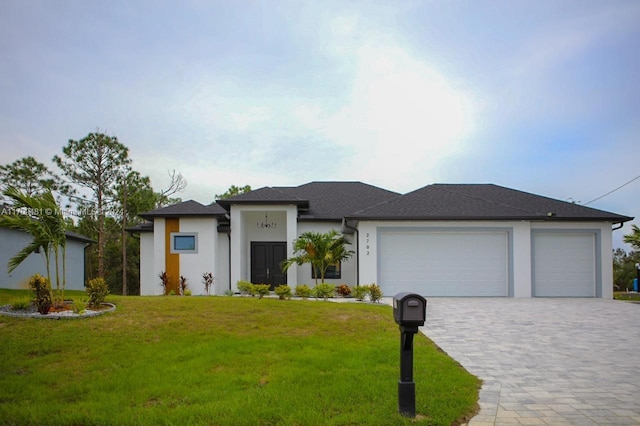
(624, 264)
(101, 195)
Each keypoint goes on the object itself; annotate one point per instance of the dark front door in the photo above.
(265, 263)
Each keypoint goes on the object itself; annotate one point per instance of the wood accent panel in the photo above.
(172, 260)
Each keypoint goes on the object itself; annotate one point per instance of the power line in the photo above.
(613, 190)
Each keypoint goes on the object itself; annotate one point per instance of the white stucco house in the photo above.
(439, 240)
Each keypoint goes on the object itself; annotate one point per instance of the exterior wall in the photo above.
(75, 266)
(222, 278)
(215, 248)
(192, 266)
(520, 248)
(348, 273)
(521, 252)
(245, 228)
(149, 283)
(158, 258)
(189, 265)
(250, 221)
(12, 241)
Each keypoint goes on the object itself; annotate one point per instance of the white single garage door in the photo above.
(564, 264)
(443, 263)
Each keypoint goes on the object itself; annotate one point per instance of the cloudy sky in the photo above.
(541, 96)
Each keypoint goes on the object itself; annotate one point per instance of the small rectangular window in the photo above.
(333, 271)
(184, 242)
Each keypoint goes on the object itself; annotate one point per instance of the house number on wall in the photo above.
(367, 246)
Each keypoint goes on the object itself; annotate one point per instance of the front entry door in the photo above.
(265, 263)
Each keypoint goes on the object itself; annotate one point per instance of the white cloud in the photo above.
(402, 116)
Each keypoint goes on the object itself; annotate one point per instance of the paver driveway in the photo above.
(545, 361)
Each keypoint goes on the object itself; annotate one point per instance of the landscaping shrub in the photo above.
(97, 290)
(324, 291)
(57, 301)
(360, 292)
(375, 293)
(207, 280)
(245, 287)
(343, 290)
(183, 284)
(283, 292)
(21, 304)
(79, 305)
(304, 291)
(261, 290)
(41, 287)
(164, 281)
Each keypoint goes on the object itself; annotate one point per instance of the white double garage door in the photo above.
(469, 262)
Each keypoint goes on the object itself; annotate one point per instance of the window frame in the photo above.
(334, 272)
(174, 250)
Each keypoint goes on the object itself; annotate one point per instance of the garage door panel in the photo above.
(564, 264)
(435, 263)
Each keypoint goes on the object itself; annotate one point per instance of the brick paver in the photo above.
(545, 361)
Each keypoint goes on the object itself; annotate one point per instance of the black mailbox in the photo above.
(409, 309)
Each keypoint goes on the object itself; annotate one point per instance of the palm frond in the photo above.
(42, 219)
(22, 255)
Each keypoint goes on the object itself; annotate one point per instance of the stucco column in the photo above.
(521, 251)
(237, 232)
(292, 234)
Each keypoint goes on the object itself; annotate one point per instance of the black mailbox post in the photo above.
(409, 311)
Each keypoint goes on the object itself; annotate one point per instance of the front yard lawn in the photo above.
(222, 361)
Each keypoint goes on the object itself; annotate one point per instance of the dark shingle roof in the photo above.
(332, 201)
(141, 227)
(335, 200)
(265, 195)
(79, 237)
(480, 202)
(186, 208)
(317, 200)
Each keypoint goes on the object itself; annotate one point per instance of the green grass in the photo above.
(221, 361)
(626, 296)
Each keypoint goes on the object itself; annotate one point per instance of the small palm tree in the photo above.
(44, 221)
(634, 237)
(320, 250)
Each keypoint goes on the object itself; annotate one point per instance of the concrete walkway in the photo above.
(545, 361)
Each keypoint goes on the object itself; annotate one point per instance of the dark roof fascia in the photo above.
(160, 215)
(620, 219)
(141, 227)
(617, 219)
(319, 219)
(188, 208)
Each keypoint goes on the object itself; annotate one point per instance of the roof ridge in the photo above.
(378, 204)
(490, 201)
